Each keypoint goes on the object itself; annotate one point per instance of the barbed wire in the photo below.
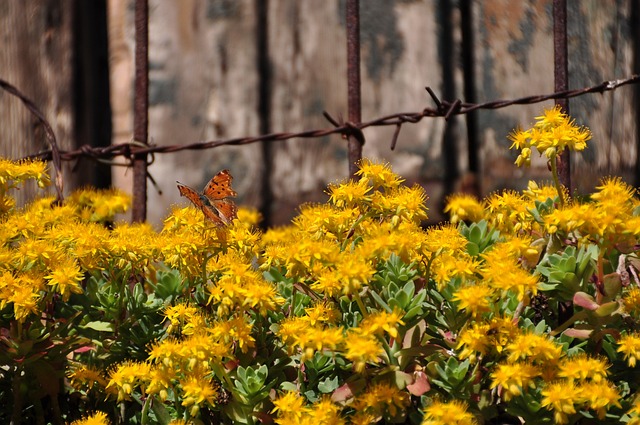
(445, 109)
(53, 154)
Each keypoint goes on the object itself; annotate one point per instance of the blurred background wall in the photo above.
(231, 68)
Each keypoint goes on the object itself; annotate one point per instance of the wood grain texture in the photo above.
(36, 57)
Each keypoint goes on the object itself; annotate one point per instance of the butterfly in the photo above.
(213, 201)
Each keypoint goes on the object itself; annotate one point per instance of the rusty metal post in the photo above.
(263, 62)
(353, 80)
(446, 44)
(561, 78)
(561, 82)
(469, 90)
(141, 110)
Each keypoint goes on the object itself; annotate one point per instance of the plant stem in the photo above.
(556, 181)
(361, 305)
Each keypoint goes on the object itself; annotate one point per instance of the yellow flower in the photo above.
(126, 377)
(86, 240)
(580, 368)
(614, 191)
(13, 172)
(243, 239)
(326, 412)
(631, 301)
(536, 192)
(475, 341)
(159, 381)
(600, 397)
(298, 333)
(290, 404)
(507, 276)
(476, 299)
(534, 348)
(447, 413)
(38, 252)
(97, 418)
(382, 398)
(551, 117)
(178, 314)
(444, 237)
(378, 175)
(513, 378)
(449, 265)
(249, 216)
(634, 412)
(403, 203)
(508, 212)
(347, 276)
(99, 205)
(236, 330)
(240, 287)
(23, 292)
(629, 345)
(561, 397)
(379, 322)
(322, 312)
(552, 133)
(464, 207)
(66, 278)
(198, 391)
(166, 352)
(132, 246)
(361, 349)
(86, 376)
(350, 193)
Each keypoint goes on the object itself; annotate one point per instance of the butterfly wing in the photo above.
(208, 211)
(227, 210)
(190, 194)
(219, 187)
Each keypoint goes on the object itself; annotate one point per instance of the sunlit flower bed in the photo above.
(524, 309)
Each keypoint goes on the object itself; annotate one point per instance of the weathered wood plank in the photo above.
(36, 57)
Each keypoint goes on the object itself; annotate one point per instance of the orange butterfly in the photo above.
(213, 200)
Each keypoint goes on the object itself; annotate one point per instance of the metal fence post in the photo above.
(353, 80)
(561, 82)
(141, 110)
(561, 78)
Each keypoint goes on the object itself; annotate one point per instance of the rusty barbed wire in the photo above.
(443, 109)
(54, 152)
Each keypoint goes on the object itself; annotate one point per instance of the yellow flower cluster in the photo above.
(361, 345)
(610, 219)
(336, 247)
(552, 133)
(320, 289)
(507, 211)
(12, 174)
(374, 402)
(569, 383)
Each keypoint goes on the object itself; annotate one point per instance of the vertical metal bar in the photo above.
(446, 45)
(141, 110)
(264, 106)
(469, 89)
(353, 79)
(561, 78)
(561, 82)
